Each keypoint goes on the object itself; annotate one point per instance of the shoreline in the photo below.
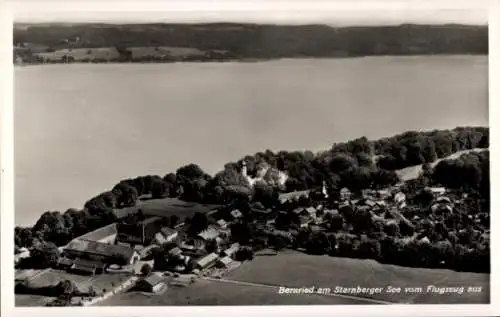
(248, 60)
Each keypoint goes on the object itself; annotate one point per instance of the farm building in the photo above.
(105, 253)
(232, 249)
(293, 196)
(142, 232)
(153, 283)
(209, 233)
(85, 266)
(206, 261)
(64, 263)
(106, 234)
(224, 262)
(165, 235)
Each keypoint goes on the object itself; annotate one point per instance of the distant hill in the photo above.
(262, 41)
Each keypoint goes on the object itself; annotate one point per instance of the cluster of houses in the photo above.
(119, 246)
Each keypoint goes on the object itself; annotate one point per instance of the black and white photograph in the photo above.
(251, 158)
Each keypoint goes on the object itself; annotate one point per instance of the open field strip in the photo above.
(367, 300)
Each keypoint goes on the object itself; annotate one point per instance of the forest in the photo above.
(358, 164)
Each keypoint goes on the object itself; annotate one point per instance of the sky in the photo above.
(333, 12)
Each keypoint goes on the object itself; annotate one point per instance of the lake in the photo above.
(81, 128)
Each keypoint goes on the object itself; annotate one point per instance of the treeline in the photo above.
(265, 41)
(349, 164)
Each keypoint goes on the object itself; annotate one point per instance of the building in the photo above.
(345, 194)
(106, 234)
(211, 233)
(85, 266)
(437, 191)
(103, 252)
(153, 283)
(224, 262)
(293, 196)
(142, 232)
(236, 214)
(221, 223)
(175, 251)
(165, 235)
(231, 250)
(206, 261)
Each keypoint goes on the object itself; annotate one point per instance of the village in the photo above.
(144, 251)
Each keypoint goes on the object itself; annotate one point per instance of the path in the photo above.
(361, 299)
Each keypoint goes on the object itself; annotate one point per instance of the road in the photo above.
(361, 299)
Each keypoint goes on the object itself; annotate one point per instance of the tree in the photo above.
(44, 255)
(174, 220)
(146, 269)
(391, 229)
(199, 222)
(211, 246)
(159, 189)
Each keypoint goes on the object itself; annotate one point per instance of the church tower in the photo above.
(323, 190)
(244, 168)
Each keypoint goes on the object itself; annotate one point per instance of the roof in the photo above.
(236, 213)
(150, 220)
(207, 259)
(160, 238)
(88, 263)
(225, 260)
(345, 190)
(311, 210)
(292, 195)
(298, 210)
(100, 233)
(153, 279)
(437, 190)
(232, 249)
(370, 203)
(168, 231)
(443, 198)
(332, 211)
(175, 251)
(103, 249)
(209, 233)
(221, 222)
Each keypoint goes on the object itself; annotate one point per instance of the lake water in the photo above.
(80, 128)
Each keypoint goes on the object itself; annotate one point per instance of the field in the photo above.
(205, 292)
(100, 283)
(165, 207)
(23, 300)
(257, 283)
(412, 172)
(82, 53)
(300, 270)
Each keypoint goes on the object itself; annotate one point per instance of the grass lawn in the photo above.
(412, 172)
(24, 300)
(164, 207)
(52, 277)
(220, 293)
(294, 269)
